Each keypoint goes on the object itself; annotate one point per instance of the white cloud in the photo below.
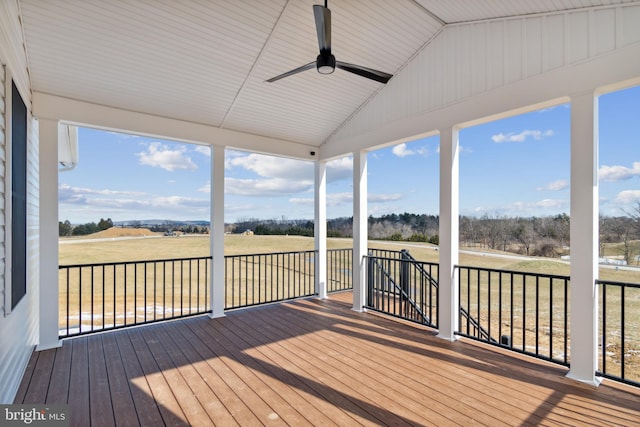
(340, 169)
(401, 150)
(558, 185)
(144, 208)
(206, 188)
(618, 173)
(628, 197)
(384, 198)
(91, 204)
(337, 199)
(278, 176)
(179, 202)
(162, 156)
(273, 167)
(461, 150)
(69, 194)
(301, 201)
(266, 187)
(205, 150)
(522, 136)
(533, 208)
(549, 203)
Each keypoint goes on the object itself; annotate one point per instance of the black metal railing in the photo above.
(339, 270)
(340, 267)
(386, 253)
(265, 278)
(524, 312)
(403, 287)
(619, 321)
(520, 311)
(104, 296)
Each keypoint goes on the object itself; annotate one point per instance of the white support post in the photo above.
(360, 235)
(48, 182)
(216, 234)
(448, 304)
(584, 239)
(320, 231)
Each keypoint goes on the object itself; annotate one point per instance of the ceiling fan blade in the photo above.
(370, 73)
(323, 27)
(306, 67)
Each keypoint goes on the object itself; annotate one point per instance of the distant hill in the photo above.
(149, 223)
(123, 232)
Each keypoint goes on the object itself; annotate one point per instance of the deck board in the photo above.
(124, 410)
(26, 378)
(310, 362)
(155, 400)
(219, 378)
(100, 408)
(39, 382)
(79, 391)
(59, 384)
(357, 359)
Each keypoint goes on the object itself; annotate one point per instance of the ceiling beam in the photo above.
(86, 114)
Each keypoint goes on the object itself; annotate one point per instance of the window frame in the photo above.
(12, 95)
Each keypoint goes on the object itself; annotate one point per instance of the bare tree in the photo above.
(525, 234)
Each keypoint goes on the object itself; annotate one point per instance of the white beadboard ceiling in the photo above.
(205, 61)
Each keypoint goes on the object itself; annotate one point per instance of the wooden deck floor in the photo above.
(309, 362)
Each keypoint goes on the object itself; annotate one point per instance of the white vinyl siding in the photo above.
(3, 186)
(19, 329)
(481, 56)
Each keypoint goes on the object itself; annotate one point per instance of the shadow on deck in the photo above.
(309, 362)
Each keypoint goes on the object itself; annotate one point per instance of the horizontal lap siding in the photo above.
(18, 331)
(471, 58)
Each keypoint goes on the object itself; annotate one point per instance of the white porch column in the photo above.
(584, 239)
(448, 307)
(216, 234)
(360, 235)
(320, 228)
(48, 182)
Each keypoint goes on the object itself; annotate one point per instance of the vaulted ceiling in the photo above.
(206, 61)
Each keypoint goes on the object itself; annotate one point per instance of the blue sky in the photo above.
(519, 166)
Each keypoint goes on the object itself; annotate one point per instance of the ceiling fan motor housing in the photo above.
(325, 63)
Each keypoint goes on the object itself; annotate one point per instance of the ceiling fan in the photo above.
(326, 63)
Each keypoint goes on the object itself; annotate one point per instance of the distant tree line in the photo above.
(182, 228)
(274, 227)
(547, 236)
(406, 226)
(170, 226)
(623, 231)
(539, 236)
(66, 229)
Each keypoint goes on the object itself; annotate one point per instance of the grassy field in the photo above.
(86, 251)
(181, 288)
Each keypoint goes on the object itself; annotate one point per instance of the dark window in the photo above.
(18, 197)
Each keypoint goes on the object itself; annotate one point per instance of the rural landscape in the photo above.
(133, 274)
(532, 236)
